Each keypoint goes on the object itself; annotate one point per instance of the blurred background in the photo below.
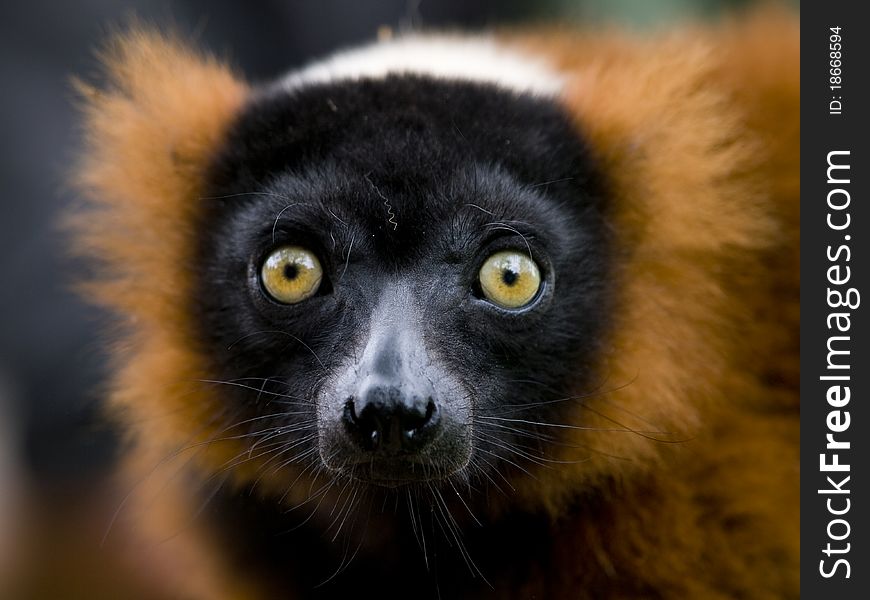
(55, 450)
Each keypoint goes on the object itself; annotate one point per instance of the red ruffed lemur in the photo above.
(508, 316)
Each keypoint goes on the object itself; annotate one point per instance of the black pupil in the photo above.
(291, 271)
(509, 277)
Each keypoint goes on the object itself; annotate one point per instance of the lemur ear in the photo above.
(150, 131)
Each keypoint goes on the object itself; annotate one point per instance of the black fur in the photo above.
(410, 182)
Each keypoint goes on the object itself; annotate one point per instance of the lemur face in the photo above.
(402, 273)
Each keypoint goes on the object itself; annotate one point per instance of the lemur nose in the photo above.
(385, 420)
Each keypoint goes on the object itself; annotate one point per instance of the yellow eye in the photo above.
(291, 274)
(510, 279)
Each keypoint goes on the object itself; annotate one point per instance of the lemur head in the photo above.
(403, 268)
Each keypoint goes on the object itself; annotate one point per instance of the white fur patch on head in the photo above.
(442, 56)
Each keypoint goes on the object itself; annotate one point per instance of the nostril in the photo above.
(419, 424)
(417, 418)
(366, 426)
(350, 412)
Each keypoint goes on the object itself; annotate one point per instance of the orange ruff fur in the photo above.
(698, 136)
